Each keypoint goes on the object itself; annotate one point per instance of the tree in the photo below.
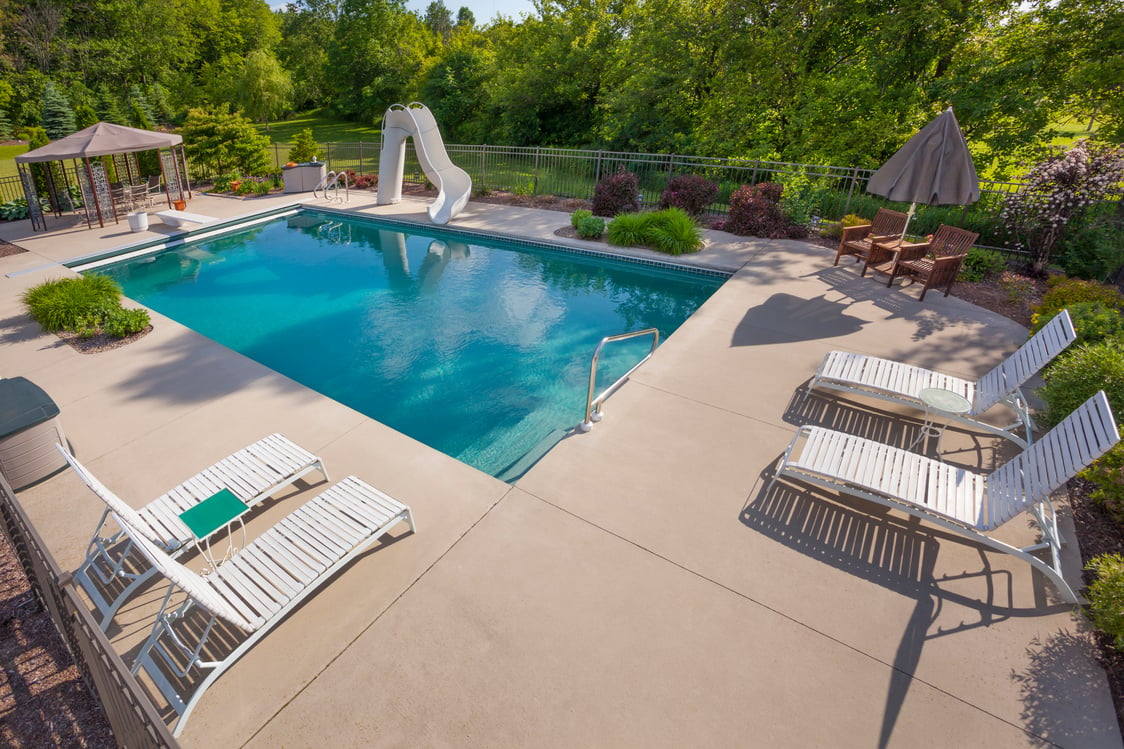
(304, 146)
(307, 29)
(221, 142)
(109, 108)
(456, 87)
(84, 116)
(439, 19)
(1059, 191)
(265, 89)
(58, 116)
(465, 18)
(5, 125)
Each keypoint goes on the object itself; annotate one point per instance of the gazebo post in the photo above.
(27, 179)
(94, 190)
(164, 176)
(183, 159)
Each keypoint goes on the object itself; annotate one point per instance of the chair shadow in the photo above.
(898, 553)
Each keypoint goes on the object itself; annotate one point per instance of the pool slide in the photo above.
(453, 183)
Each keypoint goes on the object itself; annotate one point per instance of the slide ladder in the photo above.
(414, 120)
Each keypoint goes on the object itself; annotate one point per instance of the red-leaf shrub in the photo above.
(690, 193)
(617, 193)
(754, 212)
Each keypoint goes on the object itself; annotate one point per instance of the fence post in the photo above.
(851, 189)
(360, 169)
(597, 168)
(484, 170)
(328, 155)
(756, 166)
(535, 184)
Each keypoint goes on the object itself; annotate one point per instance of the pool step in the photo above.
(522, 464)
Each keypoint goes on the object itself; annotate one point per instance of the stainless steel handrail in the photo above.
(593, 405)
(331, 181)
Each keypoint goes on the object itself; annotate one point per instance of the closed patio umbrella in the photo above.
(933, 167)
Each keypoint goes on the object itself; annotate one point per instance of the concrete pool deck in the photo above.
(635, 587)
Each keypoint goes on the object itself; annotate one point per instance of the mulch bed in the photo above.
(100, 342)
(7, 248)
(43, 701)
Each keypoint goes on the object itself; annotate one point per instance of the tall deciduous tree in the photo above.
(439, 19)
(265, 89)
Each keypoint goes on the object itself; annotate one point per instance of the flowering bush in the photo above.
(1059, 190)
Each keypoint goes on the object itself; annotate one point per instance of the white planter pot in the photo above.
(138, 221)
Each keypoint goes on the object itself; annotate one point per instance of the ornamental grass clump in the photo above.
(577, 216)
(670, 231)
(84, 306)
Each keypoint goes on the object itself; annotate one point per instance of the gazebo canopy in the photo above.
(102, 139)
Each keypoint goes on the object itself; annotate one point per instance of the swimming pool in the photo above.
(475, 346)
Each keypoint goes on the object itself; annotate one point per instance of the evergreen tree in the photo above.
(5, 125)
(304, 146)
(160, 105)
(465, 18)
(58, 116)
(109, 108)
(137, 100)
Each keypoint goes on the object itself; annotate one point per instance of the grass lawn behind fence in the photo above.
(325, 129)
(8, 156)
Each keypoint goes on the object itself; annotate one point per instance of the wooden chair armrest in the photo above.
(908, 251)
(880, 254)
(855, 232)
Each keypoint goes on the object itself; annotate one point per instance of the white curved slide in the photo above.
(453, 183)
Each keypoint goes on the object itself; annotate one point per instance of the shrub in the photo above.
(1106, 596)
(754, 212)
(629, 230)
(577, 216)
(84, 306)
(1065, 292)
(304, 146)
(65, 303)
(834, 229)
(1107, 476)
(796, 231)
(591, 227)
(980, 265)
(690, 193)
(125, 322)
(1016, 287)
(1094, 321)
(1079, 373)
(222, 182)
(616, 193)
(14, 210)
(1092, 251)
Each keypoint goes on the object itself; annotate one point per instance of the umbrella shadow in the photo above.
(851, 286)
(784, 318)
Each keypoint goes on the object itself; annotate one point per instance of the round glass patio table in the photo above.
(939, 402)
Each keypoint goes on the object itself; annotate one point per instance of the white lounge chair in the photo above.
(902, 383)
(251, 474)
(970, 504)
(260, 585)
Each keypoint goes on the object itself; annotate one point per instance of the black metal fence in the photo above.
(134, 720)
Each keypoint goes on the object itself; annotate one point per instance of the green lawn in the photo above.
(8, 156)
(325, 129)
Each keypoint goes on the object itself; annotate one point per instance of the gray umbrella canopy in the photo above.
(101, 139)
(933, 167)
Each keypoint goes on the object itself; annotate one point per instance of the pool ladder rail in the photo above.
(329, 188)
(593, 405)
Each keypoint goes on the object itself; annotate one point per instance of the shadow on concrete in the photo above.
(21, 328)
(1062, 664)
(870, 542)
(784, 318)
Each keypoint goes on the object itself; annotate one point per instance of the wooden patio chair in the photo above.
(901, 384)
(887, 226)
(933, 263)
(970, 504)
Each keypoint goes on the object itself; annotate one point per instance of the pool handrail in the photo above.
(593, 405)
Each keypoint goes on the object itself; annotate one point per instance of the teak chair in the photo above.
(887, 226)
(935, 262)
(900, 383)
(967, 503)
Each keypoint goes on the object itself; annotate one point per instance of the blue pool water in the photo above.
(480, 350)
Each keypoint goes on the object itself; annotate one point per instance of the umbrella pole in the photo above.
(908, 218)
